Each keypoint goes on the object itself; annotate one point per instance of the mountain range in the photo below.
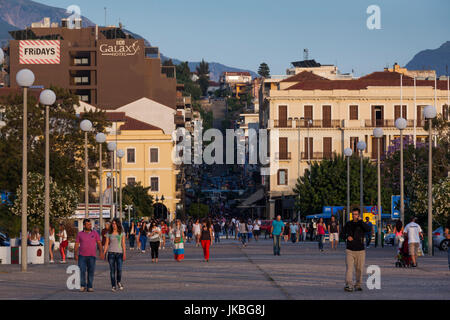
(432, 59)
(19, 14)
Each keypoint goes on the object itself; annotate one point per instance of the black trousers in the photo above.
(154, 246)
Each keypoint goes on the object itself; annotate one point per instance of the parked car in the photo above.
(4, 239)
(439, 240)
(266, 225)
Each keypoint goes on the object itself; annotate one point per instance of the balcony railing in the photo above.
(282, 155)
(319, 123)
(317, 155)
(391, 123)
(286, 123)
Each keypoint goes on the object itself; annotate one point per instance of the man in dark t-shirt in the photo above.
(333, 231)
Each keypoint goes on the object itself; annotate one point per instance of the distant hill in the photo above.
(432, 59)
(19, 14)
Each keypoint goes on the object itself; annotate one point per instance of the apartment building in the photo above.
(310, 118)
(328, 71)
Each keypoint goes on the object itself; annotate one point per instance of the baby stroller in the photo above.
(403, 257)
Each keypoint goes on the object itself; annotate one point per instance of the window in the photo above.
(353, 112)
(397, 113)
(353, 144)
(131, 157)
(84, 98)
(154, 184)
(445, 110)
(282, 177)
(154, 155)
(131, 181)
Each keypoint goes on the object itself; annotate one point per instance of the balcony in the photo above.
(317, 155)
(169, 71)
(319, 124)
(282, 155)
(389, 123)
(286, 123)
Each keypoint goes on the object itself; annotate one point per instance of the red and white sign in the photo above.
(39, 52)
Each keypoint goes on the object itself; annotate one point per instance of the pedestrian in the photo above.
(116, 249)
(143, 236)
(250, 230)
(190, 228)
(293, 230)
(178, 241)
(85, 254)
(63, 243)
(414, 233)
(105, 231)
(196, 229)
(304, 232)
(205, 238)
(286, 232)
(217, 230)
(333, 231)
(276, 231)
(447, 236)
(154, 236)
(257, 229)
(51, 242)
(321, 227)
(236, 230)
(369, 234)
(243, 230)
(138, 237)
(398, 231)
(354, 233)
(35, 237)
(164, 231)
(132, 235)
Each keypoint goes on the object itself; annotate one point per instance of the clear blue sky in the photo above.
(243, 33)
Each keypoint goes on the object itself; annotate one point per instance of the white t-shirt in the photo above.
(250, 228)
(257, 225)
(155, 237)
(196, 228)
(62, 236)
(294, 228)
(412, 229)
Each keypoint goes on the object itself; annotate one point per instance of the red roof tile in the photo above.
(134, 124)
(304, 76)
(115, 116)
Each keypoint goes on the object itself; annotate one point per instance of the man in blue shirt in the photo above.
(369, 234)
(276, 231)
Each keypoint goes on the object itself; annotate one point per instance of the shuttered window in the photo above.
(154, 184)
(327, 148)
(154, 156)
(353, 112)
(397, 113)
(131, 155)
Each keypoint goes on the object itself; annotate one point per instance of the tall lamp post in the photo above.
(120, 155)
(400, 123)
(86, 126)
(430, 113)
(47, 98)
(361, 147)
(100, 138)
(129, 207)
(111, 148)
(378, 133)
(25, 79)
(348, 152)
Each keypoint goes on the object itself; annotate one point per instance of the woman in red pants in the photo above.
(205, 238)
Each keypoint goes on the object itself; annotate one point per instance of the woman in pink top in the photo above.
(321, 227)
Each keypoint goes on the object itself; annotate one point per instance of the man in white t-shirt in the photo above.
(196, 231)
(414, 233)
(257, 229)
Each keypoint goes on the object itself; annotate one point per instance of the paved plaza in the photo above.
(301, 272)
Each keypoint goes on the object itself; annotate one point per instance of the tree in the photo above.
(63, 200)
(203, 74)
(138, 196)
(198, 210)
(264, 70)
(183, 73)
(168, 63)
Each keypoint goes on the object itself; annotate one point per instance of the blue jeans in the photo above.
(293, 237)
(86, 264)
(321, 237)
(115, 267)
(216, 237)
(132, 239)
(368, 239)
(276, 244)
(243, 238)
(448, 251)
(143, 240)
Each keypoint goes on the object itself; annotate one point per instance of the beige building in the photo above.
(331, 115)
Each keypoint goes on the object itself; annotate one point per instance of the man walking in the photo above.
(369, 234)
(414, 233)
(447, 236)
(86, 252)
(354, 232)
(333, 231)
(276, 231)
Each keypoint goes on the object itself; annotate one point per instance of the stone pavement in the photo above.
(233, 273)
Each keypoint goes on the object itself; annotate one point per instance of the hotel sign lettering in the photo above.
(39, 52)
(120, 49)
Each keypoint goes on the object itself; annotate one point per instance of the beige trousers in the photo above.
(354, 260)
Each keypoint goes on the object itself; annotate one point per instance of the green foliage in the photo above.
(264, 70)
(326, 184)
(10, 223)
(183, 73)
(198, 210)
(203, 74)
(139, 197)
(63, 200)
(207, 117)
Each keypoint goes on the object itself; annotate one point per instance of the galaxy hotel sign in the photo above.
(39, 52)
(119, 49)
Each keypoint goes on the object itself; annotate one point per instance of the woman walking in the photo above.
(164, 231)
(243, 230)
(178, 241)
(205, 238)
(115, 247)
(63, 243)
(51, 239)
(154, 235)
(132, 235)
(398, 231)
(138, 232)
(287, 232)
(321, 227)
(143, 236)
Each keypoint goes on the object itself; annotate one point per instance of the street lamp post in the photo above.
(378, 133)
(111, 148)
(430, 113)
(401, 123)
(86, 126)
(100, 138)
(25, 79)
(120, 155)
(361, 147)
(348, 152)
(129, 207)
(47, 98)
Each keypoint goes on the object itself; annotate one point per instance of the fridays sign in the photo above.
(39, 52)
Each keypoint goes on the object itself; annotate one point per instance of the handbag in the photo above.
(177, 240)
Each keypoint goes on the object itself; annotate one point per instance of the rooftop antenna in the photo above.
(306, 54)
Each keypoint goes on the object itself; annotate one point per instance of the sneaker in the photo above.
(120, 285)
(358, 288)
(51, 261)
(348, 289)
(90, 290)
(114, 289)
(63, 261)
(143, 251)
(82, 289)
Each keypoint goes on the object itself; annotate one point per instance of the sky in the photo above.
(244, 33)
